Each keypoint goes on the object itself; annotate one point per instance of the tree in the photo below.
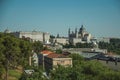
(76, 58)
(26, 50)
(36, 75)
(109, 75)
(51, 36)
(113, 46)
(2, 59)
(13, 52)
(37, 46)
(59, 51)
(83, 45)
(70, 45)
(60, 73)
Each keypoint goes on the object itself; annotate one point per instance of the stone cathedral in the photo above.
(80, 35)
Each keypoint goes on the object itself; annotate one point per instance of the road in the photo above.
(111, 64)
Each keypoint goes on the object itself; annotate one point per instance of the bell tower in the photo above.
(76, 33)
(69, 32)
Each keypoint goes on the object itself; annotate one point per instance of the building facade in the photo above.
(77, 36)
(81, 36)
(41, 56)
(53, 60)
(34, 35)
(61, 40)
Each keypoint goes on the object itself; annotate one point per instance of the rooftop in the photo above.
(54, 55)
(46, 52)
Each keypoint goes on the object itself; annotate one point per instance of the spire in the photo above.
(76, 33)
(69, 31)
(58, 36)
(75, 30)
(82, 26)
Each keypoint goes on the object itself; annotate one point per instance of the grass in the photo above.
(14, 74)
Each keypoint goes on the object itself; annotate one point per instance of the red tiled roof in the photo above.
(54, 55)
(46, 52)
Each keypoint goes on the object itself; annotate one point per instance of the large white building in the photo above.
(34, 35)
(61, 40)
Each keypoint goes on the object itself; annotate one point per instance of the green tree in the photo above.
(13, 52)
(60, 73)
(36, 75)
(59, 51)
(37, 46)
(2, 59)
(26, 51)
(113, 46)
(109, 75)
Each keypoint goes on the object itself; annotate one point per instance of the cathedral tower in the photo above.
(69, 32)
(76, 33)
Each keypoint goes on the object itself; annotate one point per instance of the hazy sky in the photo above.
(100, 17)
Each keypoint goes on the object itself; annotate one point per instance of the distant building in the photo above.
(34, 35)
(60, 40)
(53, 60)
(81, 36)
(103, 39)
(79, 50)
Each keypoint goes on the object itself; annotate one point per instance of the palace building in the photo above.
(32, 35)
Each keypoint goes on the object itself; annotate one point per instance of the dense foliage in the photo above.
(113, 46)
(84, 70)
(37, 46)
(36, 75)
(58, 51)
(15, 52)
(79, 45)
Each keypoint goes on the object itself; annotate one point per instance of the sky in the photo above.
(101, 18)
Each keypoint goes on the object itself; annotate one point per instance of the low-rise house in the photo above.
(53, 60)
(41, 56)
